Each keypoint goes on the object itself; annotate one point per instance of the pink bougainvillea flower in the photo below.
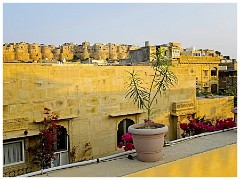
(148, 121)
(192, 121)
(184, 126)
(127, 137)
(197, 127)
(120, 145)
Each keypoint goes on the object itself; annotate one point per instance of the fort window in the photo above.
(196, 54)
(214, 72)
(13, 153)
(205, 73)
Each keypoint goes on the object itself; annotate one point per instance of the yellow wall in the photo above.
(203, 82)
(84, 97)
(201, 59)
(221, 162)
(215, 108)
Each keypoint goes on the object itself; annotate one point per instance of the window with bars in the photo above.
(13, 152)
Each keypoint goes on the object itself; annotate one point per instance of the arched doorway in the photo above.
(123, 128)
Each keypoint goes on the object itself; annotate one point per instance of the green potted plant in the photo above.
(148, 137)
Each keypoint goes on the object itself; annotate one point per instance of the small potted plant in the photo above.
(148, 137)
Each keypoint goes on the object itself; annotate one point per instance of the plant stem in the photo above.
(159, 87)
(150, 92)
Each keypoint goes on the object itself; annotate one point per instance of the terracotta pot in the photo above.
(148, 142)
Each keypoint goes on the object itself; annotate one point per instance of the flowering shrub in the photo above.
(127, 139)
(198, 126)
(44, 150)
(73, 154)
(225, 124)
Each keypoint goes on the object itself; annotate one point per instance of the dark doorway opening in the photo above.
(123, 128)
(214, 88)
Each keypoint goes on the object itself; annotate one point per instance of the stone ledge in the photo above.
(19, 134)
(124, 113)
(59, 119)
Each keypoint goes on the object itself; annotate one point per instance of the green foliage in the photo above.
(75, 57)
(162, 79)
(203, 93)
(229, 93)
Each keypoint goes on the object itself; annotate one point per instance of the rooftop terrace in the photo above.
(212, 155)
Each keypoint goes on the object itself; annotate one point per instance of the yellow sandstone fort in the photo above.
(26, 52)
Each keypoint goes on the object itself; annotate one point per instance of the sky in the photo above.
(199, 25)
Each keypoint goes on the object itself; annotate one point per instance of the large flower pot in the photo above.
(148, 142)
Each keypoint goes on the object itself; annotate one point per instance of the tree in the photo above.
(162, 78)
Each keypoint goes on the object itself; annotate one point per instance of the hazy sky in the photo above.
(208, 26)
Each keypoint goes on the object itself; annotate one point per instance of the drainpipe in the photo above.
(198, 135)
(76, 164)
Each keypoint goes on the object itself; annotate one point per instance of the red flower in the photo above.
(129, 147)
(120, 145)
(192, 121)
(184, 126)
(148, 121)
(191, 125)
(127, 137)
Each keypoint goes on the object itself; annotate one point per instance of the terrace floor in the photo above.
(122, 166)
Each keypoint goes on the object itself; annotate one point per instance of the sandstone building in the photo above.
(204, 62)
(145, 54)
(228, 75)
(92, 108)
